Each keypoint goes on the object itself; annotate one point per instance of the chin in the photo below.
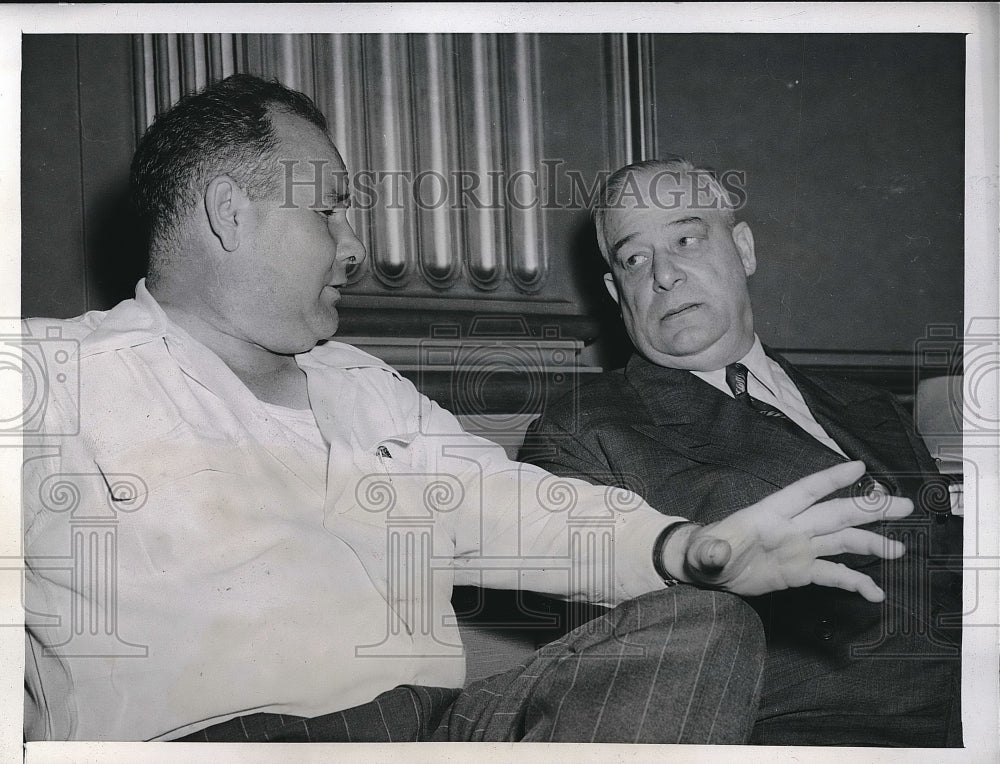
(687, 342)
(324, 325)
(310, 338)
(333, 326)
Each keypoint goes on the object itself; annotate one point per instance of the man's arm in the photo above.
(774, 544)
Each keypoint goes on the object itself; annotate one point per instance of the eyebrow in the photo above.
(626, 239)
(621, 243)
(682, 221)
(334, 198)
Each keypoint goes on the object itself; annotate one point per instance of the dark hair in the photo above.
(224, 129)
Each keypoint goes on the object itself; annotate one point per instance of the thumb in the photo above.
(709, 555)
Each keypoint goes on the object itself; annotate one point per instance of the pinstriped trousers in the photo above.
(681, 665)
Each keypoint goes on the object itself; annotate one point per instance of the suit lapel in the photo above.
(690, 415)
(861, 421)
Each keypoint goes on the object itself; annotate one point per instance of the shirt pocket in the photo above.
(392, 453)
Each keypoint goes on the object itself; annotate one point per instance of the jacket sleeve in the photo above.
(566, 450)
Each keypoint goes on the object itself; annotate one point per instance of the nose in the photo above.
(666, 274)
(350, 251)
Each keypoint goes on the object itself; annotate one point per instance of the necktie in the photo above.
(736, 378)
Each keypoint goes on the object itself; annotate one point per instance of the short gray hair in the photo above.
(614, 189)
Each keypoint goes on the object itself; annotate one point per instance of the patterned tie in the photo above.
(736, 378)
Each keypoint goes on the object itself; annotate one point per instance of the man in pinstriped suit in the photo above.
(704, 419)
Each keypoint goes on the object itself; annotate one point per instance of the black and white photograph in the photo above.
(621, 376)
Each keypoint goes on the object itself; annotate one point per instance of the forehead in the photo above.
(307, 152)
(658, 198)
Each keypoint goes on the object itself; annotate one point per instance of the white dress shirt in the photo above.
(194, 554)
(768, 382)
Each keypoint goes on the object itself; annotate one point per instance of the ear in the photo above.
(743, 238)
(609, 284)
(228, 209)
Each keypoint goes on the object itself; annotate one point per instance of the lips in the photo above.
(680, 310)
(332, 292)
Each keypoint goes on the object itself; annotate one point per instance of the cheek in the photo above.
(638, 315)
(629, 300)
(735, 291)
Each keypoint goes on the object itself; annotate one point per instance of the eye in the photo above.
(690, 236)
(328, 212)
(634, 260)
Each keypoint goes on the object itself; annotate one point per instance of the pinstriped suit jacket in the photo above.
(841, 670)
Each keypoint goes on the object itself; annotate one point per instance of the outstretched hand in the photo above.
(777, 543)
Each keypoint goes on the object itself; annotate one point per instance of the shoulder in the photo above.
(832, 380)
(843, 386)
(108, 380)
(128, 324)
(595, 399)
(75, 330)
(340, 355)
(380, 387)
(362, 368)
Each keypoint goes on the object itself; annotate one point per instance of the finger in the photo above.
(805, 492)
(856, 541)
(709, 555)
(826, 573)
(831, 516)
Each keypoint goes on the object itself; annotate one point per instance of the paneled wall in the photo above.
(853, 152)
(851, 146)
(455, 143)
(81, 246)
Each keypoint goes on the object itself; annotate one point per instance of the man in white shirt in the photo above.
(705, 419)
(236, 529)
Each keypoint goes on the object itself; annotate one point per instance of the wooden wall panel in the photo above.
(418, 117)
(53, 265)
(82, 247)
(853, 153)
(854, 158)
(115, 242)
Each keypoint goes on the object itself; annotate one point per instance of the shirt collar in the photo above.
(759, 365)
(141, 320)
(128, 324)
(755, 360)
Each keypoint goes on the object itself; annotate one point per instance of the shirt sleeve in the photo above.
(522, 527)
